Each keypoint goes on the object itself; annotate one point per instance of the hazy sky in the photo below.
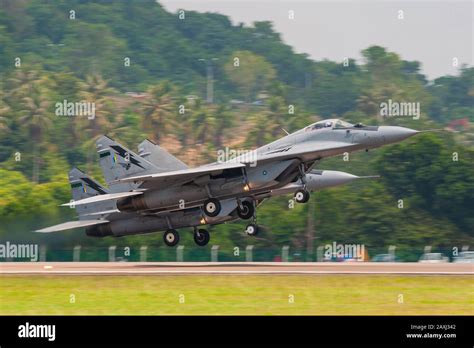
(432, 32)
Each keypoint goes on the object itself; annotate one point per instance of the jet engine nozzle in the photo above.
(131, 204)
(99, 231)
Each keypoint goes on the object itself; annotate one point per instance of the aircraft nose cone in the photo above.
(393, 134)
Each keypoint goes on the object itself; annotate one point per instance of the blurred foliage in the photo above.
(84, 59)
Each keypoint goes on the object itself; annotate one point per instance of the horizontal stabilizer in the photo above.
(102, 198)
(71, 224)
(106, 212)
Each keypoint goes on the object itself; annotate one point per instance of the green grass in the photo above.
(237, 295)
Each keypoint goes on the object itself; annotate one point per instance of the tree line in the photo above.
(161, 95)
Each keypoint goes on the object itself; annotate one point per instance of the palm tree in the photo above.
(181, 122)
(35, 120)
(202, 123)
(23, 82)
(95, 90)
(276, 113)
(223, 121)
(158, 110)
(262, 129)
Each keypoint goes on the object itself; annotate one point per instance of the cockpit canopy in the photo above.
(331, 123)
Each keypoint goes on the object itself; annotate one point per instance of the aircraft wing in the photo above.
(184, 175)
(322, 148)
(71, 224)
(101, 198)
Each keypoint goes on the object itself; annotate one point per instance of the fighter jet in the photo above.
(154, 191)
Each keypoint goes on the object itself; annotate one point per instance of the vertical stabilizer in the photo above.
(162, 159)
(83, 186)
(118, 162)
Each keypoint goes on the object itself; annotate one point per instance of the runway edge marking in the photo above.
(226, 272)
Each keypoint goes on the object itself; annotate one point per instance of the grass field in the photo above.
(237, 295)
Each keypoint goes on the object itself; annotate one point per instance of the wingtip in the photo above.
(43, 230)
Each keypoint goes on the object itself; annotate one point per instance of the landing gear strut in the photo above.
(171, 237)
(252, 228)
(302, 195)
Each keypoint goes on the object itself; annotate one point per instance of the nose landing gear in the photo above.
(246, 210)
(252, 229)
(302, 196)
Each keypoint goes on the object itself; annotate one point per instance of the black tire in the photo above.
(201, 237)
(251, 229)
(212, 207)
(301, 196)
(171, 238)
(247, 211)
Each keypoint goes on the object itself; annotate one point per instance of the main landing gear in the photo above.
(201, 237)
(245, 210)
(171, 237)
(212, 207)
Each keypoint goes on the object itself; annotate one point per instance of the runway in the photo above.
(249, 268)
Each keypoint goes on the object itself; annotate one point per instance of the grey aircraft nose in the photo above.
(394, 134)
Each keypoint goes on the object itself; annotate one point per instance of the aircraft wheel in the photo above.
(251, 229)
(302, 196)
(212, 207)
(247, 210)
(171, 238)
(201, 237)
